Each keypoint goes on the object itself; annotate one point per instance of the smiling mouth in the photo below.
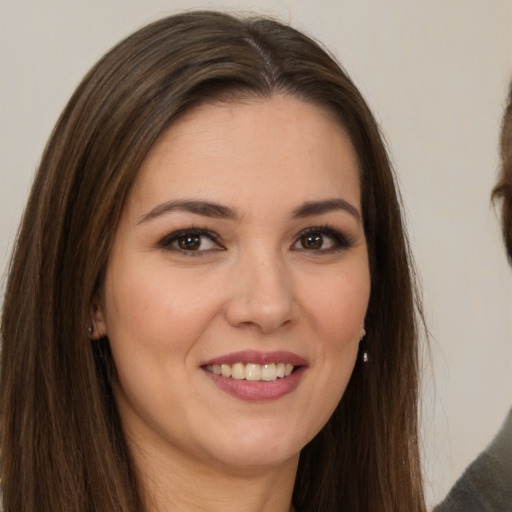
(252, 371)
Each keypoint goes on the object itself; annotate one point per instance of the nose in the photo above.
(262, 294)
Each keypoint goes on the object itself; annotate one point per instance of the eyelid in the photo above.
(167, 241)
(342, 241)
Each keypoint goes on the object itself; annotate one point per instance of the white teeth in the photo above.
(238, 371)
(252, 371)
(226, 370)
(269, 372)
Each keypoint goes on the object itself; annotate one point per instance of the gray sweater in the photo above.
(486, 485)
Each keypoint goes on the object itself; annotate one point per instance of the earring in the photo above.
(90, 329)
(365, 356)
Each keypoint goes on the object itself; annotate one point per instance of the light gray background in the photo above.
(435, 73)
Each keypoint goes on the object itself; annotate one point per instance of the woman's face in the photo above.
(240, 257)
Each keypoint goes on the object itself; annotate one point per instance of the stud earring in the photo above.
(90, 329)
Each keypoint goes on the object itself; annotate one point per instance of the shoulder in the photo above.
(486, 485)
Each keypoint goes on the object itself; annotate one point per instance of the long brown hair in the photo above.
(62, 447)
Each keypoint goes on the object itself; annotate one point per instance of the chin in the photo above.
(257, 458)
(258, 448)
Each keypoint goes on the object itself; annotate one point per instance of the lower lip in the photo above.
(258, 391)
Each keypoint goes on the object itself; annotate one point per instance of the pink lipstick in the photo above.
(254, 375)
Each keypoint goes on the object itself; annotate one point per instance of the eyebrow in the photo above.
(219, 211)
(204, 208)
(311, 208)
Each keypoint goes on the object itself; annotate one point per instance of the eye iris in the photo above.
(189, 242)
(312, 241)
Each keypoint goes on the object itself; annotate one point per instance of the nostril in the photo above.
(261, 295)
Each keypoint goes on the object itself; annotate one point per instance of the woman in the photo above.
(210, 302)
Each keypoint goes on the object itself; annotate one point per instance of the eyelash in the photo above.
(341, 242)
(167, 241)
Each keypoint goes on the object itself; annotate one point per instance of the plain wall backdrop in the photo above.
(434, 72)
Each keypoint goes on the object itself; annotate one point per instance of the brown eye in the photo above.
(189, 242)
(321, 240)
(312, 241)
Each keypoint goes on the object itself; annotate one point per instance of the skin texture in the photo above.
(256, 284)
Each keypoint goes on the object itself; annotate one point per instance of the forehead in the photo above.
(251, 147)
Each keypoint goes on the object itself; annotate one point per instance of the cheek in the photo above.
(156, 311)
(337, 310)
(338, 306)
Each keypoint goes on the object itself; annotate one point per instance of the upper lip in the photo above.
(257, 357)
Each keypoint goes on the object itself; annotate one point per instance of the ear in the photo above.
(98, 328)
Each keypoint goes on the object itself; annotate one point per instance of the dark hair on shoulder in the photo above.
(62, 446)
(503, 188)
